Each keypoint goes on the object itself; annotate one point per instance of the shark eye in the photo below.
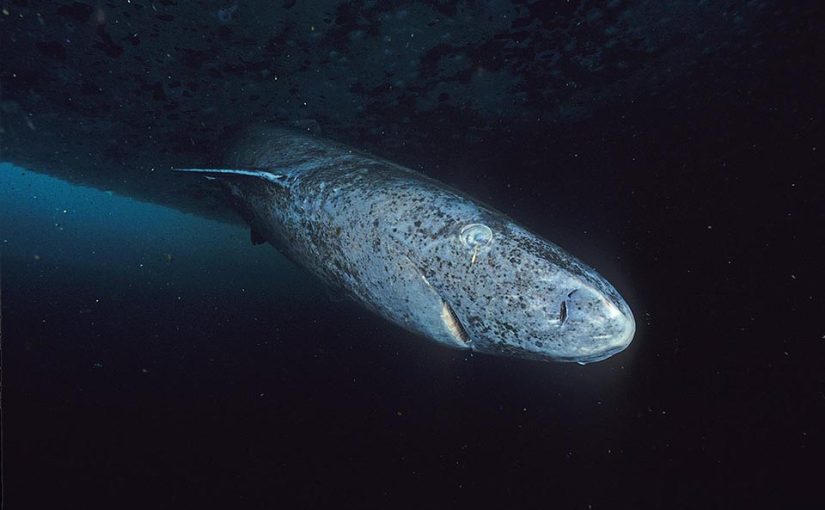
(476, 235)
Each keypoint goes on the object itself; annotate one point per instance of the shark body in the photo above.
(420, 253)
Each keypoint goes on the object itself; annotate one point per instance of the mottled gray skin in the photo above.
(421, 254)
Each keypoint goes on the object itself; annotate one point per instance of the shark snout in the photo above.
(598, 326)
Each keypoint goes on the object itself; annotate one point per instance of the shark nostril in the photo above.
(563, 312)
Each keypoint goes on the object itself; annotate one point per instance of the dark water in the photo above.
(154, 359)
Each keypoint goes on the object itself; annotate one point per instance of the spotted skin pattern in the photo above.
(421, 254)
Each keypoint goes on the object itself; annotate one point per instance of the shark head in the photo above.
(510, 292)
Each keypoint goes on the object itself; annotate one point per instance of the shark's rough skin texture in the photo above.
(422, 254)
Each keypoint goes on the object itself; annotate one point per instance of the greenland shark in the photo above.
(419, 253)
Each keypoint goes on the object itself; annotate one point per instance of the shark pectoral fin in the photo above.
(255, 236)
(219, 173)
(233, 178)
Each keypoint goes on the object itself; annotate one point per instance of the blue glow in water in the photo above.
(49, 224)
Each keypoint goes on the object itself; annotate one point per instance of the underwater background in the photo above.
(153, 357)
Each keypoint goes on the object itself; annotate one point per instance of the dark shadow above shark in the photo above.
(114, 94)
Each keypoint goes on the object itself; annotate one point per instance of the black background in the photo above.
(707, 216)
